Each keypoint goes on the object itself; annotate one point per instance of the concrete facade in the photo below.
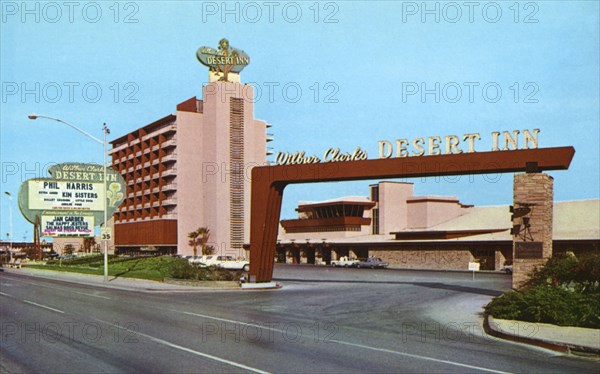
(190, 170)
(439, 232)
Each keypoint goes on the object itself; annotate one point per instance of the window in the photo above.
(375, 193)
(375, 222)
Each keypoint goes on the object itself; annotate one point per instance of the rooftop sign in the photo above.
(224, 60)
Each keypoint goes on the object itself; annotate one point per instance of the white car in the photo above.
(224, 262)
(344, 261)
(194, 260)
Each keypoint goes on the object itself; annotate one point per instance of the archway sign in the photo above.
(268, 183)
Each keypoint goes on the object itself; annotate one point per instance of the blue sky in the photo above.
(345, 66)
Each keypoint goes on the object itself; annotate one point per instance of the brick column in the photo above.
(532, 237)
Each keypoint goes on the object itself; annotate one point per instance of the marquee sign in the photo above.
(59, 195)
(430, 146)
(71, 203)
(67, 225)
(224, 60)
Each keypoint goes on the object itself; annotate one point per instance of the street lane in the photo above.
(385, 321)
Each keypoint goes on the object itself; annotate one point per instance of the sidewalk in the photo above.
(127, 284)
(559, 338)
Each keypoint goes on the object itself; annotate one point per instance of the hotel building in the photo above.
(423, 232)
(188, 170)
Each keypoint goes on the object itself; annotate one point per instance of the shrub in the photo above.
(216, 274)
(565, 292)
(548, 304)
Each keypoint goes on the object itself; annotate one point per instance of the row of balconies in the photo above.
(171, 157)
(155, 204)
(135, 139)
(146, 213)
(166, 188)
(137, 152)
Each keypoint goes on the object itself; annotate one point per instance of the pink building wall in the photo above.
(393, 212)
(428, 211)
(205, 176)
(189, 178)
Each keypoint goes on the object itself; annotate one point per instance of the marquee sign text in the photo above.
(330, 155)
(453, 144)
(430, 146)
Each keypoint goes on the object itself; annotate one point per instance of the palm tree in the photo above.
(89, 244)
(200, 238)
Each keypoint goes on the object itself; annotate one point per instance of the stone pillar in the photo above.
(532, 224)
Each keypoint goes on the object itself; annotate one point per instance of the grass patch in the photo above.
(564, 292)
(150, 268)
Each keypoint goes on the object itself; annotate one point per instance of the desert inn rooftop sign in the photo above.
(224, 63)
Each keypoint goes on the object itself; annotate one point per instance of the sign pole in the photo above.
(105, 130)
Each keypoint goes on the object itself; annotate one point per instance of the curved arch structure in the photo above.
(268, 183)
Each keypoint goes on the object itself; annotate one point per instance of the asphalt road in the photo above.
(323, 320)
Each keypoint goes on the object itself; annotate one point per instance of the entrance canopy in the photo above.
(268, 183)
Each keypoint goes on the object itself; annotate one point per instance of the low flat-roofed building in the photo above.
(427, 232)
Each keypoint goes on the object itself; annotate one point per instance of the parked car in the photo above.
(344, 261)
(194, 260)
(508, 269)
(372, 263)
(224, 262)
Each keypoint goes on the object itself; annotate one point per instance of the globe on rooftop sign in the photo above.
(223, 61)
(71, 203)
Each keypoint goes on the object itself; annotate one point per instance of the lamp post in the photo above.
(106, 131)
(10, 217)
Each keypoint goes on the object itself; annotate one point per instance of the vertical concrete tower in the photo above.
(192, 169)
(233, 143)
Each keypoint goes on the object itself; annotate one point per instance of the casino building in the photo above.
(188, 170)
(423, 232)
(191, 169)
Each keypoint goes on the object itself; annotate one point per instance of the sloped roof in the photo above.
(573, 220)
(577, 220)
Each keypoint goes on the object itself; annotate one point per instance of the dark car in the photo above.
(372, 263)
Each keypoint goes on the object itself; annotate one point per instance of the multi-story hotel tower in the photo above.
(188, 170)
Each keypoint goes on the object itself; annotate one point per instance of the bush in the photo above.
(154, 268)
(216, 274)
(565, 292)
(547, 304)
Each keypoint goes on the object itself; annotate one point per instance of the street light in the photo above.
(10, 217)
(106, 131)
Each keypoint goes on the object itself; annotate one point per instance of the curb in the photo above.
(491, 328)
(125, 287)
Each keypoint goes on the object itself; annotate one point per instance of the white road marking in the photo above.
(5, 294)
(43, 306)
(54, 288)
(89, 294)
(352, 344)
(188, 350)
(418, 356)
